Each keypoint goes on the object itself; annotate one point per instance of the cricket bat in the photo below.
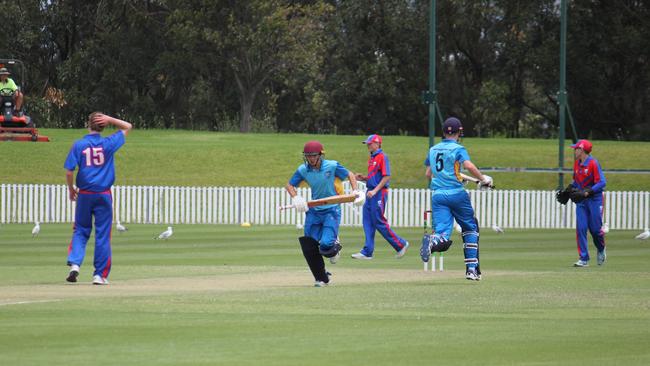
(341, 198)
(472, 179)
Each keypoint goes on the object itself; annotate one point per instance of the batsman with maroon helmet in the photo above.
(322, 222)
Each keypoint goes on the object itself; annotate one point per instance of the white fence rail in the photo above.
(21, 203)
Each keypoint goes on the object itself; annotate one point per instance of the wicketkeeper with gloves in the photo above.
(586, 192)
(322, 222)
(377, 182)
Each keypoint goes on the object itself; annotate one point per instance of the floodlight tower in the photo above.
(564, 110)
(430, 96)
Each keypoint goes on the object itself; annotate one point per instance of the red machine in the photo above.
(14, 124)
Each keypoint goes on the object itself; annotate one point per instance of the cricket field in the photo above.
(227, 295)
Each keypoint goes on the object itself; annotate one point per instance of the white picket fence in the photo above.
(26, 203)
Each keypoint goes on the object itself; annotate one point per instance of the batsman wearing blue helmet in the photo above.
(93, 154)
(322, 222)
(449, 200)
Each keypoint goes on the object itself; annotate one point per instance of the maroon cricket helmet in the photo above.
(313, 148)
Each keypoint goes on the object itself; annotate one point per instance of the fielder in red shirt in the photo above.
(589, 184)
(377, 182)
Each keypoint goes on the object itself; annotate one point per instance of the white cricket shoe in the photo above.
(402, 251)
(324, 284)
(74, 273)
(335, 258)
(360, 256)
(581, 263)
(472, 275)
(602, 257)
(99, 280)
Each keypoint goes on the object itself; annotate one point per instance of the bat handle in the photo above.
(285, 207)
(489, 186)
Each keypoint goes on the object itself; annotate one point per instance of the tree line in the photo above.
(333, 66)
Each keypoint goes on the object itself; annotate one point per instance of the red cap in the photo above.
(373, 139)
(584, 145)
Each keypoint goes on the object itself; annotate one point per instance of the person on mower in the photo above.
(9, 87)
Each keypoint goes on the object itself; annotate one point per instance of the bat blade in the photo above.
(341, 198)
(469, 178)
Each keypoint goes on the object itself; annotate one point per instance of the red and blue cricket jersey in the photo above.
(93, 154)
(374, 207)
(589, 175)
(378, 168)
(589, 212)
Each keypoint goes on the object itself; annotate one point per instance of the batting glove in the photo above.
(299, 203)
(360, 199)
(487, 182)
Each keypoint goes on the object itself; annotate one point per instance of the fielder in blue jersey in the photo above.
(93, 154)
(377, 182)
(449, 200)
(321, 222)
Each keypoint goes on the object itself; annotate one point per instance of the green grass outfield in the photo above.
(225, 295)
(187, 158)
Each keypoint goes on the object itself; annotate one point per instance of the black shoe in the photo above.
(72, 276)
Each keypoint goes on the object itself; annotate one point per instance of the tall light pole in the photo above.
(562, 94)
(430, 96)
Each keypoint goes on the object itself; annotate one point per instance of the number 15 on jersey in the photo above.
(94, 156)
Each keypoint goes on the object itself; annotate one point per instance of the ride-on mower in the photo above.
(14, 124)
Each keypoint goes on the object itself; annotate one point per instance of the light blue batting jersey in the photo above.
(445, 159)
(94, 156)
(321, 181)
